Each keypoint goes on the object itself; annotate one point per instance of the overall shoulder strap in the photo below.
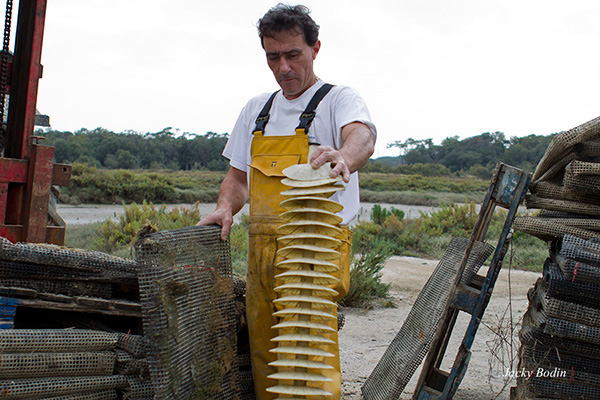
(263, 117)
(306, 118)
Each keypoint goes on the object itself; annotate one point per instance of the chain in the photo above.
(4, 72)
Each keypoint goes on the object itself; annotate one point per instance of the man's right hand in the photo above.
(220, 217)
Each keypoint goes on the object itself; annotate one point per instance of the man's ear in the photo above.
(316, 48)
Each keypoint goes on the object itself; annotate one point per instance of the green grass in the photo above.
(92, 185)
(428, 198)
(101, 186)
(377, 181)
(82, 236)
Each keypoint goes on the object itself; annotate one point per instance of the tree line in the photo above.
(166, 149)
(475, 155)
(132, 150)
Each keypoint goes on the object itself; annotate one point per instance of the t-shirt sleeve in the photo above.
(237, 147)
(350, 107)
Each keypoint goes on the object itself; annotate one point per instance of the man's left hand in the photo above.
(324, 154)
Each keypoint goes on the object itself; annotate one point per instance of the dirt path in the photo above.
(367, 333)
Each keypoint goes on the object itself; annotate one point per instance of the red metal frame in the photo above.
(27, 172)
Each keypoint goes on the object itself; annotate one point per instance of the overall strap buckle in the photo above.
(263, 116)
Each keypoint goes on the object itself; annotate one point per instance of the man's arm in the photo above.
(359, 145)
(232, 197)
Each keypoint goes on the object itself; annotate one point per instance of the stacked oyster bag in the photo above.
(566, 187)
(560, 336)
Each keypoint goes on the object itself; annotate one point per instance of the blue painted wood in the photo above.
(8, 310)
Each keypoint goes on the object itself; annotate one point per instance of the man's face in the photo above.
(291, 60)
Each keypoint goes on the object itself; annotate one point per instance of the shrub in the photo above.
(453, 220)
(365, 274)
(480, 171)
(429, 235)
(114, 237)
(380, 214)
(78, 169)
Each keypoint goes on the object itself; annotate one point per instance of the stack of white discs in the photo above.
(307, 314)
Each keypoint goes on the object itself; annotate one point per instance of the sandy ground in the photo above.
(367, 332)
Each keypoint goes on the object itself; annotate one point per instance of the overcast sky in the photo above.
(426, 68)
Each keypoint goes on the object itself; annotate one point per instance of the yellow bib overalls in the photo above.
(270, 155)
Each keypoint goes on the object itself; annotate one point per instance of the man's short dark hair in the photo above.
(283, 17)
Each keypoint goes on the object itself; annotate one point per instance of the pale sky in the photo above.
(426, 68)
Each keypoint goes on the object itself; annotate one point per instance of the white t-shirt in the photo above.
(340, 107)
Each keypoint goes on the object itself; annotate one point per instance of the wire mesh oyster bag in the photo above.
(561, 150)
(186, 289)
(567, 180)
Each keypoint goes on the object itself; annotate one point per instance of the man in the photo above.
(267, 138)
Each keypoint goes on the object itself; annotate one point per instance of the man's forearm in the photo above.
(359, 144)
(234, 191)
(358, 147)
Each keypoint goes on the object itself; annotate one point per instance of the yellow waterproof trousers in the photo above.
(270, 156)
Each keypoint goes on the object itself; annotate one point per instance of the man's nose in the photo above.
(284, 65)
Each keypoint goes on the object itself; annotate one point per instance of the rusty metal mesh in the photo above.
(532, 334)
(127, 364)
(567, 181)
(587, 150)
(575, 291)
(563, 357)
(138, 388)
(136, 345)
(54, 340)
(79, 363)
(410, 346)
(550, 306)
(548, 229)
(29, 365)
(554, 190)
(36, 388)
(72, 272)
(560, 334)
(563, 144)
(63, 363)
(579, 249)
(578, 271)
(51, 255)
(109, 394)
(186, 288)
(558, 374)
(545, 389)
(557, 204)
(587, 369)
